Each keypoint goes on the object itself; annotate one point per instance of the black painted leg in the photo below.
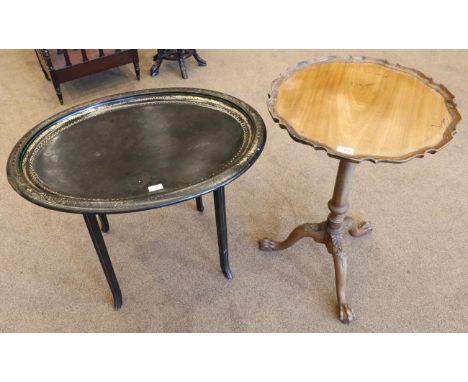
(100, 246)
(104, 222)
(201, 61)
(220, 213)
(200, 206)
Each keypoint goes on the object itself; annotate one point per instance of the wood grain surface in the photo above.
(364, 110)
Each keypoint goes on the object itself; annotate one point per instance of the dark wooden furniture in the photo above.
(175, 55)
(357, 109)
(137, 151)
(62, 65)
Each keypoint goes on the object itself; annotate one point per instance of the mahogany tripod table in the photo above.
(138, 151)
(357, 109)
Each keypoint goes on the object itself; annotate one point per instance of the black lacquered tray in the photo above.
(136, 151)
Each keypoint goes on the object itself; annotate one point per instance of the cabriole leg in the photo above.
(340, 263)
(330, 233)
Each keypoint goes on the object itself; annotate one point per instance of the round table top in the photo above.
(136, 151)
(364, 109)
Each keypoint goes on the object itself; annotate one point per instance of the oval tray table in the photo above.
(137, 151)
(357, 109)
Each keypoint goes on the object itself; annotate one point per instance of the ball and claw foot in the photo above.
(357, 228)
(268, 245)
(346, 314)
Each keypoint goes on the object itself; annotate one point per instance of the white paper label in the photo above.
(155, 187)
(345, 150)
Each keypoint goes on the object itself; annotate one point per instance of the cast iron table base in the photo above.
(175, 55)
(330, 233)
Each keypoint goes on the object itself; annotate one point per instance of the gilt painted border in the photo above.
(441, 89)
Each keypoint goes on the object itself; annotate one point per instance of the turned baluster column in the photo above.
(338, 204)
